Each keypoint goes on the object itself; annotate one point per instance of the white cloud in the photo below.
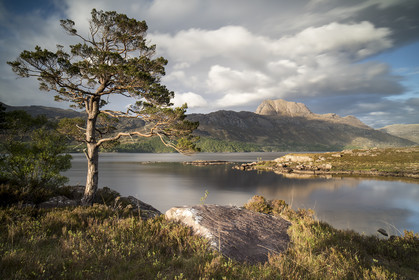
(192, 99)
(181, 65)
(242, 68)
(348, 40)
(234, 99)
(194, 45)
(225, 79)
(233, 54)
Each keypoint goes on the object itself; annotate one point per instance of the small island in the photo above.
(388, 162)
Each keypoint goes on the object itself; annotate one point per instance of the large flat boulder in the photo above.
(237, 233)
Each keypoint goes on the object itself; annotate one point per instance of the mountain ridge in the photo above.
(270, 128)
(284, 125)
(407, 131)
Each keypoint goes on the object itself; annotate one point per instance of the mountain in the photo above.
(49, 112)
(277, 125)
(281, 107)
(406, 131)
(284, 108)
(58, 113)
(283, 125)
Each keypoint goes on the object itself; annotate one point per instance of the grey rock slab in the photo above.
(58, 201)
(237, 233)
(147, 211)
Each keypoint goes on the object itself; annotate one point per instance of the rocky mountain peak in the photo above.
(281, 107)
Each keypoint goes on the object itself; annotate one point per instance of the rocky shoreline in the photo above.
(207, 162)
(318, 171)
(71, 197)
(338, 164)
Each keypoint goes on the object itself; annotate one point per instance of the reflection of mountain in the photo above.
(268, 184)
(303, 188)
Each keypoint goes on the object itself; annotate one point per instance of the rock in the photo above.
(207, 162)
(58, 201)
(104, 196)
(146, 210)
(294, 158)
(237, 233)
(382, 231)
(337, 155)
(281, 107)
(72, 192)
(245, 166)
(327, 166)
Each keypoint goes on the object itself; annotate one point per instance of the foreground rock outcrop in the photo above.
(105, 196)
(235, 232)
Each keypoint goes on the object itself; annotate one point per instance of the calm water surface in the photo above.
(163, 181)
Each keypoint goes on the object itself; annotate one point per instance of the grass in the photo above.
(101, 242)
(95, 243)
(386, 160)
(393, 160)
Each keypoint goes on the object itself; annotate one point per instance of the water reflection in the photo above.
(360, 204)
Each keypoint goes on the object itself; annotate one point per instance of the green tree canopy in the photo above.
(113, 59)
(32, 154)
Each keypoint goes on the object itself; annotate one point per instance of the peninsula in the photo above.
(388, 162)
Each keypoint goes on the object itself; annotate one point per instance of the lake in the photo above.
(163, 181)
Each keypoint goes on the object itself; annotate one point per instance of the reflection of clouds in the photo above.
(360, 204)
(374, 204)
(366, 221)
(303, 188)
(363, 205)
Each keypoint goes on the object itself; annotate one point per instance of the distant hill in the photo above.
(283, 125)
(277, 125)
(406, 131)
(49, 112)
(58, 113)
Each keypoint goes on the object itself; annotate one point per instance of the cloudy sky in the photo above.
(350, 57)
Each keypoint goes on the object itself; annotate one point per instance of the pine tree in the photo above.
(113, 59)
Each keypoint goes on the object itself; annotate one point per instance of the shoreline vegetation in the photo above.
(383, 162)
(206, 145)
(78, 242)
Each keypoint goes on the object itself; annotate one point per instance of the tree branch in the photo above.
(121, 134)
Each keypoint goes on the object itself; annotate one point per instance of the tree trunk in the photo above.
(92, 151)
(92, 179)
